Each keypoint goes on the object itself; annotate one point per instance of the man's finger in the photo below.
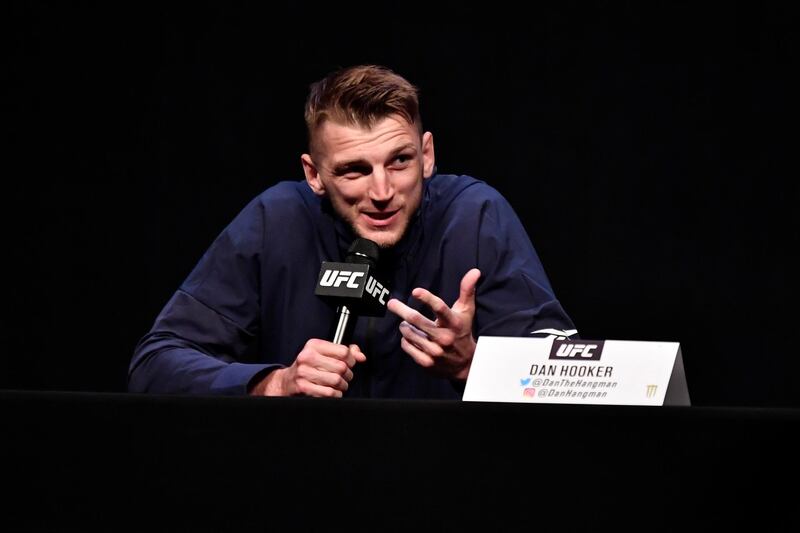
(309, 388)
(333, 380)
(329, 349)
(331, 364)
(441, 309)
(357, 354)
(420, 339)
(412, 316)
(416, 354)
(466, 297)
(415, 329)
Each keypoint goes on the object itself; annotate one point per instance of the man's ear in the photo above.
(312, 175)
(428, 156)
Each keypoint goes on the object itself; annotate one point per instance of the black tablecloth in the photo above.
(123, 462)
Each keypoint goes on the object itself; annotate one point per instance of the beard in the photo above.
(383, 244)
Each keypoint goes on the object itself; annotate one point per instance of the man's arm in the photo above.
(198, 340)
(166, 361)
(192, 349)
(515, 297)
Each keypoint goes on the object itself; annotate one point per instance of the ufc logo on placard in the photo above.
(335, 278)
(577, 351)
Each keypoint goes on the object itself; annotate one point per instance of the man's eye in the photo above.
(353, 172)
(402, 159)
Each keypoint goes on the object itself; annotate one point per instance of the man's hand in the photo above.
(322, 369)
(446, 345)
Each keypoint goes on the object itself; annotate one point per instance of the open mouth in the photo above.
(382, 218)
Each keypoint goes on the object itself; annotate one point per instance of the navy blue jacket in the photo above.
(255, 284)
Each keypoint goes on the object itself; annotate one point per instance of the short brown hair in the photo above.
(360, 96)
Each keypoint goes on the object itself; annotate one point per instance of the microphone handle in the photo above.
(344, 326)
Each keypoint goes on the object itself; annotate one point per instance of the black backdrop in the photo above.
(649, 151)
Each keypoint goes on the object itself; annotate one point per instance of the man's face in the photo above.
(373, 177)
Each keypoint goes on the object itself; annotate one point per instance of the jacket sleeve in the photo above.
(198, 340)
(514, 297)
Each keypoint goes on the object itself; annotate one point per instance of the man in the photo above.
(455, 255)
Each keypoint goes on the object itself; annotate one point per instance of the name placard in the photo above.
(609, 372)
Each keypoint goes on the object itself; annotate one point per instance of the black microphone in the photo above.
(353, 287)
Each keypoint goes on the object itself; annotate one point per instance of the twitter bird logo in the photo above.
(524, 382)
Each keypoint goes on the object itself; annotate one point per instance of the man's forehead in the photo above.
(344, 141)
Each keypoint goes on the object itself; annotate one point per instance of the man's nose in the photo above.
(381, 188)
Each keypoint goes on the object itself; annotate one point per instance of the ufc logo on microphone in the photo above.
(335, 278)
(590, 350)
(375, 288)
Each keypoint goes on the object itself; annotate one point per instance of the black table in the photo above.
(124, 462)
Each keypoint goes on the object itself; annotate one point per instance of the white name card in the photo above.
(610, 372)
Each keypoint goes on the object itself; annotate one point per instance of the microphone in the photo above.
(353, 287)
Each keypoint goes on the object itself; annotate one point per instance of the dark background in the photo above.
(649, 151)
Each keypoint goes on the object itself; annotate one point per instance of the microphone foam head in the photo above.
(363, 251)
